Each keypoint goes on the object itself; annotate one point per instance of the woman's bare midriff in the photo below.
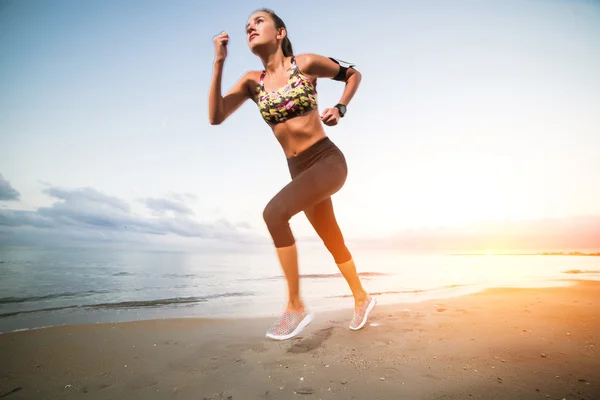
(298, 134)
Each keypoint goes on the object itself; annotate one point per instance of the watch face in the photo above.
(342, 109)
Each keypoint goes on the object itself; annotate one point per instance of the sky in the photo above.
(471, 116)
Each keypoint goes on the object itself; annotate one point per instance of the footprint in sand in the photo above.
(311, 343)
(142, 381)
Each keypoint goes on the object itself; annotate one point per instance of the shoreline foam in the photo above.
(384, 299)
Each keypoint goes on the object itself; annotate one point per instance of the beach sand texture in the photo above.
(502, 343)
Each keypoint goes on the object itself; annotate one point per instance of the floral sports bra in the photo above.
(296, 98)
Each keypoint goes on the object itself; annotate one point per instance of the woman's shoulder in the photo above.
(252, 75)
(304, 59)
(251, 80)
(311, 62)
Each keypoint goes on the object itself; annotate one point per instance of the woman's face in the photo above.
(261, 30)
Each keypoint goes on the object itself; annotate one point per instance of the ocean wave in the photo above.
(337, 275)
(135, 303)
(585, 271)
(179, 275)
(125, 273)
(316, 276)
(50, 296)
(412, 291)
(170, 275)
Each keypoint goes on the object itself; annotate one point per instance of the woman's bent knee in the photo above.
(275, 213)
(277, 219)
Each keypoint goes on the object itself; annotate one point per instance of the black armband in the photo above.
(344, 66)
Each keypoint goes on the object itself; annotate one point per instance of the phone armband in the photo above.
(344, 67)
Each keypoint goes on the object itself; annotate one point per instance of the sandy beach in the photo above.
(503, 343)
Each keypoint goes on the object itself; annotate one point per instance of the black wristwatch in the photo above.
(342, 109)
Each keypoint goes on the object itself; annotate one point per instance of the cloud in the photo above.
(162, 206)
(244, 224)
(13, 218)
(87, 198)
(7, 192)
(184, 196)
(88, 215)
(577, 232)
(86, 210)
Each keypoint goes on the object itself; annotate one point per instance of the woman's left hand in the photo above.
(331, 116)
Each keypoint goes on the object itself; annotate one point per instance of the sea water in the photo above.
(42, 287)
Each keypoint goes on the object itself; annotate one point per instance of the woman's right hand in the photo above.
(220, 42)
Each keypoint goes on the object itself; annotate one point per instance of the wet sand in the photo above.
(498, 344)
